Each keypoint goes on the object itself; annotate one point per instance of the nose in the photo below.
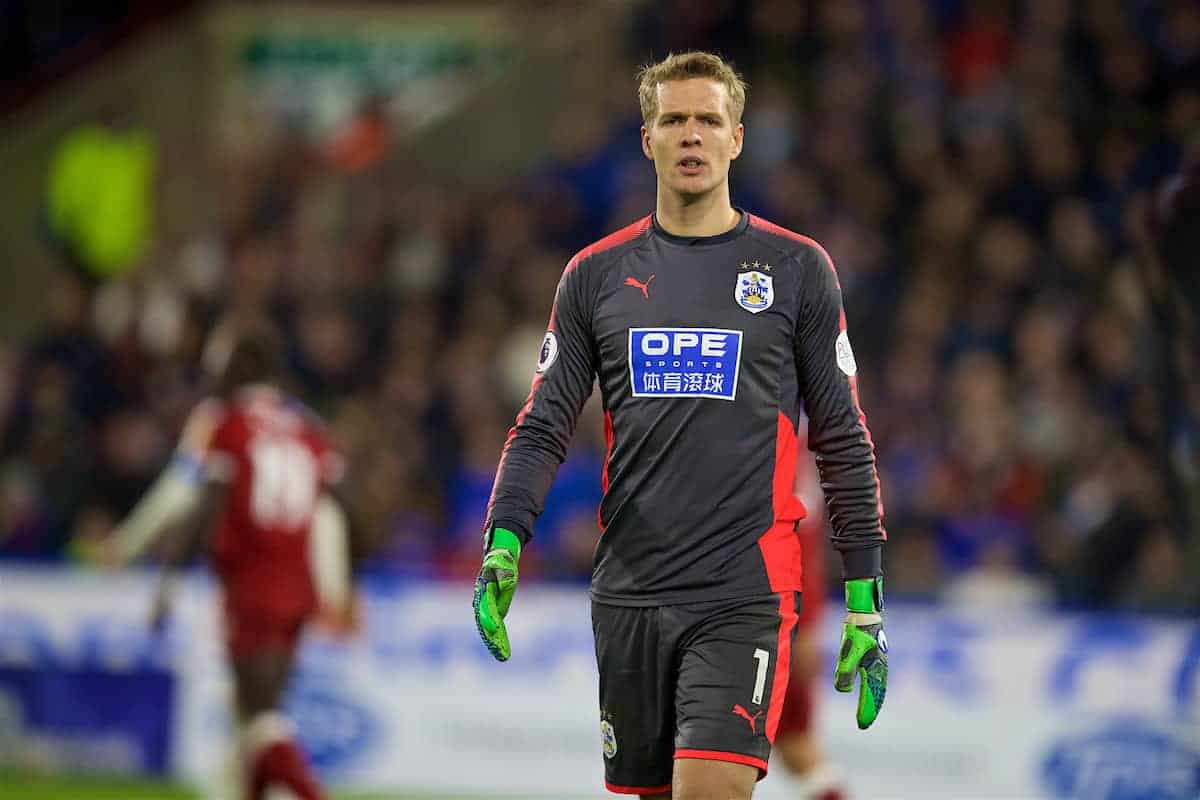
(691, 134)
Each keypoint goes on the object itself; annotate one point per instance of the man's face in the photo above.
(693, 137)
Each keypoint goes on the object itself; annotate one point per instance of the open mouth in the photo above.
(691, 165)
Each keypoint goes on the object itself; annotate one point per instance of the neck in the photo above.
(709, 214)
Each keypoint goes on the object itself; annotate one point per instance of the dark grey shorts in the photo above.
(701, 680)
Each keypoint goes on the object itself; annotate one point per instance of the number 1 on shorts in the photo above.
(760, 678)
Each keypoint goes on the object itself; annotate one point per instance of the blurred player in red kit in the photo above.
(256, 475)
(796, 739)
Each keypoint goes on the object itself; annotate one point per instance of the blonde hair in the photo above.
(682, 67)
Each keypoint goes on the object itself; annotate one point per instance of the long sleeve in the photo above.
(178, 490)
(838, 433)
(537, 442)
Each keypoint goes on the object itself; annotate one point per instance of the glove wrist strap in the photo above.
(864, 595)
(506, 539)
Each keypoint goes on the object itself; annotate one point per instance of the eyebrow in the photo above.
(707, 115)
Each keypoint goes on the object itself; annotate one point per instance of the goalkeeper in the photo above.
(709, 330)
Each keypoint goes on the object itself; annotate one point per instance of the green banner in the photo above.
(316, 66)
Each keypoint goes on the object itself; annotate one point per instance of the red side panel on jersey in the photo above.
(608, 442)
(787, 448)
(780, 545)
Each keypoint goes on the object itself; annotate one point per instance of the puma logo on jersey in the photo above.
(744, 714)
(645, 287)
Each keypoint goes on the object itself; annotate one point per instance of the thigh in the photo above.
(733, 676)
(637, 699)
(262, 656)
(697, 779)
(259, 680)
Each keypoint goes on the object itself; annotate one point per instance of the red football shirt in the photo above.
(275, 456)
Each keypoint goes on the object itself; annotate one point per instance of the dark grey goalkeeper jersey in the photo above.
(706, 350)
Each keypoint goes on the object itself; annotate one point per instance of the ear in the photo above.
(646, 143)
(739, 135)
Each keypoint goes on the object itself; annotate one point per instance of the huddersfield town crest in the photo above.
(754, 292)
(608, 738)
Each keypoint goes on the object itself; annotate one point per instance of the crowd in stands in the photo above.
(978, 171)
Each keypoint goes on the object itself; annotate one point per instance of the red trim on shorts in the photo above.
(783, 662)
(719, 755)
(636, 789)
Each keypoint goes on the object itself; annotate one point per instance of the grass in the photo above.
(25, 787)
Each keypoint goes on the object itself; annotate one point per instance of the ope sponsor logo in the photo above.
(684, 362)
(712, 344)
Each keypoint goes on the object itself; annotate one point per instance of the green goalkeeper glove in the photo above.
(864, 648)
(494, 589)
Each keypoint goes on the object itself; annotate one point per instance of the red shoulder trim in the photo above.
(628, 233)
(778, 230)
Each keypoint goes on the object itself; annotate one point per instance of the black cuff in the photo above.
(862, 563)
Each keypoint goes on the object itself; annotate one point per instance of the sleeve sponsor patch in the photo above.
(684, 362)
(549, 351)
(845, 355)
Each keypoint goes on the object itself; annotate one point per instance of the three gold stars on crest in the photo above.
(756, 265)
